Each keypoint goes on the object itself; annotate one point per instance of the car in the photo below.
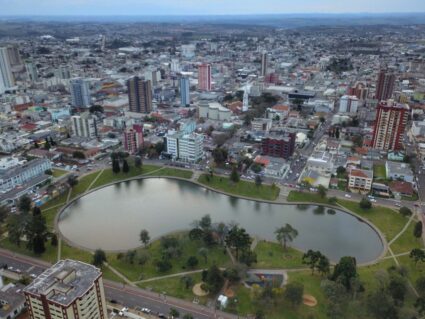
(397, 204)
(162, 316)
(347, 195)
(33, 276)
(373, 200)
(146, 310)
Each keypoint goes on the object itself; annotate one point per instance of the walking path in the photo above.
(95, 180)
(116, 272)
(403, 230)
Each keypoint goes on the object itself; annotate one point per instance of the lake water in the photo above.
(112, 217)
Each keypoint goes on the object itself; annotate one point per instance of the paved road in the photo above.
(122, 294)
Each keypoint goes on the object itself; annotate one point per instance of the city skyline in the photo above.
(191, 7)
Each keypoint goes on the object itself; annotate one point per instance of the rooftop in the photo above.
(64, 281)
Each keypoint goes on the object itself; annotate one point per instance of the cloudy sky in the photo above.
(189, 7)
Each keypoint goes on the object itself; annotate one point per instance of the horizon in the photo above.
(195, 8)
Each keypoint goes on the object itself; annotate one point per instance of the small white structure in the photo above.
(223, 300)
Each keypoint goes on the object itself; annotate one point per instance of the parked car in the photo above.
(347, 195)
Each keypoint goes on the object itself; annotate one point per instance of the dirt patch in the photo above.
(198, 291)
(309, 300)
(229, 293)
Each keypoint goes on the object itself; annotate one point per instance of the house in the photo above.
(360, 179)
(320, 161)
(400, 171)
(402, 188)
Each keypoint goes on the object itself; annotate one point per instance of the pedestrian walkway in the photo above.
(95, 180)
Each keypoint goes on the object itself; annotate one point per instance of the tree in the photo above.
(36, 233)
(192, 262)
(381, 306)
(72, 181)
(99, 258)
(187, 281)
(116, 166)
(417, 255)
(220, 155)
(214, 279)
(420, 285)
(188, 316)
(96, 108)
(323, 266)
(286, 234)
(344, 271)
(205, 222)
(417, 231)
(397, 287)
(163, 265)
(16, 227)
(332, 200)
(54, 240)
(258, 180)
(238, 239)
(321, 191)
(234, 175)
(294, 293)
(204, 253)
(341, 170)
(47, 144)
(36, 211)
(78, 154)
(406, 212)
(420, 305)
(4, 212)
(125, 167)
(174, 313)
(365, 203)
(311, 258)
(138, 162)
(144, 237)
(24, 204)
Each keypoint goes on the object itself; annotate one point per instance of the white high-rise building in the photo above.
(175, 66)
(348, 104)
(245, 103)
(188, 50)
(185, 147)
(6, 75)
(84, 125)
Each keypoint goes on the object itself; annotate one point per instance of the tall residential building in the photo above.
(279, 145)
(390, 123)
(32, 72)
(68, 290)
(245, 102)
(185, 147)
(184, 91)
(139, 95)
(133, 139)
(384, 85)
(348, 104)
(7, 80)
(84, 125)
(63, 72)
(80, 93)
(264, 63)
(204, 77)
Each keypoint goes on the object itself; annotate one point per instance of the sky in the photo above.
(204, 7)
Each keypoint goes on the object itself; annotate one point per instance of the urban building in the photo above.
(68, 289)
(264, 63)
(260, 124)
(133, 139)
(399, 171)
(80, 93)
(321, 162)
(214, 111)
(184, 91)
(6, 76)
(139, 95)
(12, 302)
(360, 179)
(63, 73)
(185, 147)
(204, 77)
(84, 125)
(384, 85)
(348, 104)
(359, 90)
(188, 50)
(32, 72)
(15, 173)
(390, 123)
(279, 145)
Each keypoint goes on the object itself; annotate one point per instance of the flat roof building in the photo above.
(68, 289)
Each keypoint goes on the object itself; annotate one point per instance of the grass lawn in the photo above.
(50, 255)
(272, 255)
(281, 309)
(243, 188)
(58, 172)
(173, 287)
(51, 208)
(108, 274)
(83, 184)
(69, 252)
(368, 273)
(169, 171)
(379, 171)
(134, 272)
(108, 176)
(389, 222)
(296, 196)
(406, 242)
